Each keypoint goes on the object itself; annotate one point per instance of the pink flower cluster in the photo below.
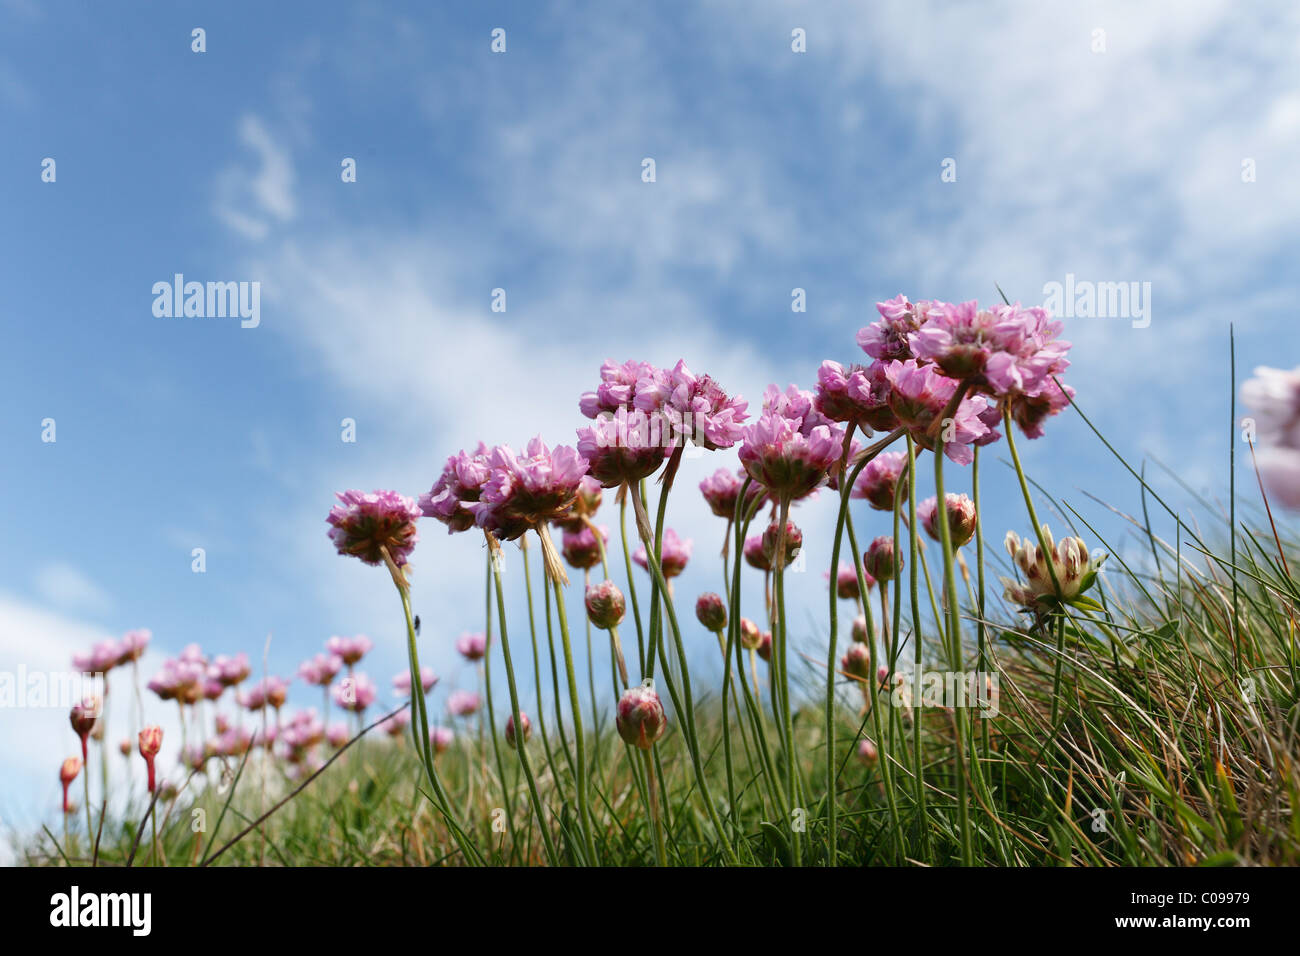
(674, 554)
(792, 446)
(108, 654)
(364, 525)
(1274, 397)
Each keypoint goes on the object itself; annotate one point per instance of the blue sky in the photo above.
(522, 170)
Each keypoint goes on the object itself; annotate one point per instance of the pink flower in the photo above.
(398, 722)
(754, 555)
(363, 525)
(150, 740)
(791, 446)
(337, 735)
(402, 681)
(878, 480)
(230, 670)
(524, 492)
(857, 661)
(625, 446)
(213, 688)
(462, 703)
(349, 649)
(673, 555)
(880, 561)
(1273, 395)
(793, 542)
(961, 518)
(750, 638)
(441, 738)
(303, 731)
(846, 581)
(268, 692)
(711, 612)
(697, 408)
(320, 670)
(920, 397)
(354, 693)
(472, 647)
(133, 645)
(858, 395)
(605, 605)
(459, 485)
(617, 388)
(722, 488)
(179, 680)
(580, 548)
(1279, 470)
(890, 338)
(103, 657)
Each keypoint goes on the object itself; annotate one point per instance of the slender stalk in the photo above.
(656, 824)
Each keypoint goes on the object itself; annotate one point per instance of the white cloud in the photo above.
(251, 201)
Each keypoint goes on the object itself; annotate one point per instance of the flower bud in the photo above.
(711, 612)
(880, 560)
(765, 646)
(793, 542)
(510, 727)
(150, 744)
(124, 745)
(860, 629)
(640, 717)
(750, 638)
(69, 770)
(961, 518)
(867, 751)
(856, 661)
(605, 605)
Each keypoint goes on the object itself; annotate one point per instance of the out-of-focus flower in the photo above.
(349, 649)
(402, 681)
(68, 771)
(510, 727)
(750, 638)
(754, 554)
(793, 542)
(354, 693)
(472, 647)
(230, 670)
(605, 605)
(961, 518)
(696, 406)
(857, 661)
(1273, 395)
(859, 629)
(764, 648)
(124, 746)
(580, 548)
(269, 692)
(711, 612)
(791, 447)
(133, 645)
(398, 722)
(674, 554)
(363, 525)
(462, 703)
(1075, 570)
(867, 751)
(640, 716)
(336, 735)
(722, 488)
(179, 680)
(213, 688)
(320, 669)
(880, 561)
(460, 484)
(878, 481)
(846, 581)
(103, 657)
(585, 504)
(441, 738)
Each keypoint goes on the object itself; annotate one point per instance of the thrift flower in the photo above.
(462, 703)
(674, 554)
(402, 681)
(961, 518)
(640, 716)
(711, 612)
(472, 647)
(605, 605)
(363, 525)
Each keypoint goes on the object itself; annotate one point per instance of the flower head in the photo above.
(856, 395)
(880, 561)
(102, 658)
(349, 649)
(441, 738)
(889, 339)
(617, 388)
(625, 446)
(462, 703)
(722, 488)
(320, 670)
(150, 742)
(920, 396)
(585, 504)
(857, 661)
(133, 645)
(859, 629)
(402, 681)
(750, 636)
(764, 648)
(581, 549)
(673, 555)
(754, 555)
(1074, 569)
(230, 671)
(846, 581)
(878, 480)
(792, 446)
(772, 541)
(640, 716)
(364, 525)
(459, 485)
(354, 693)
(528, 491)
(696, 406)
(472, 647)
